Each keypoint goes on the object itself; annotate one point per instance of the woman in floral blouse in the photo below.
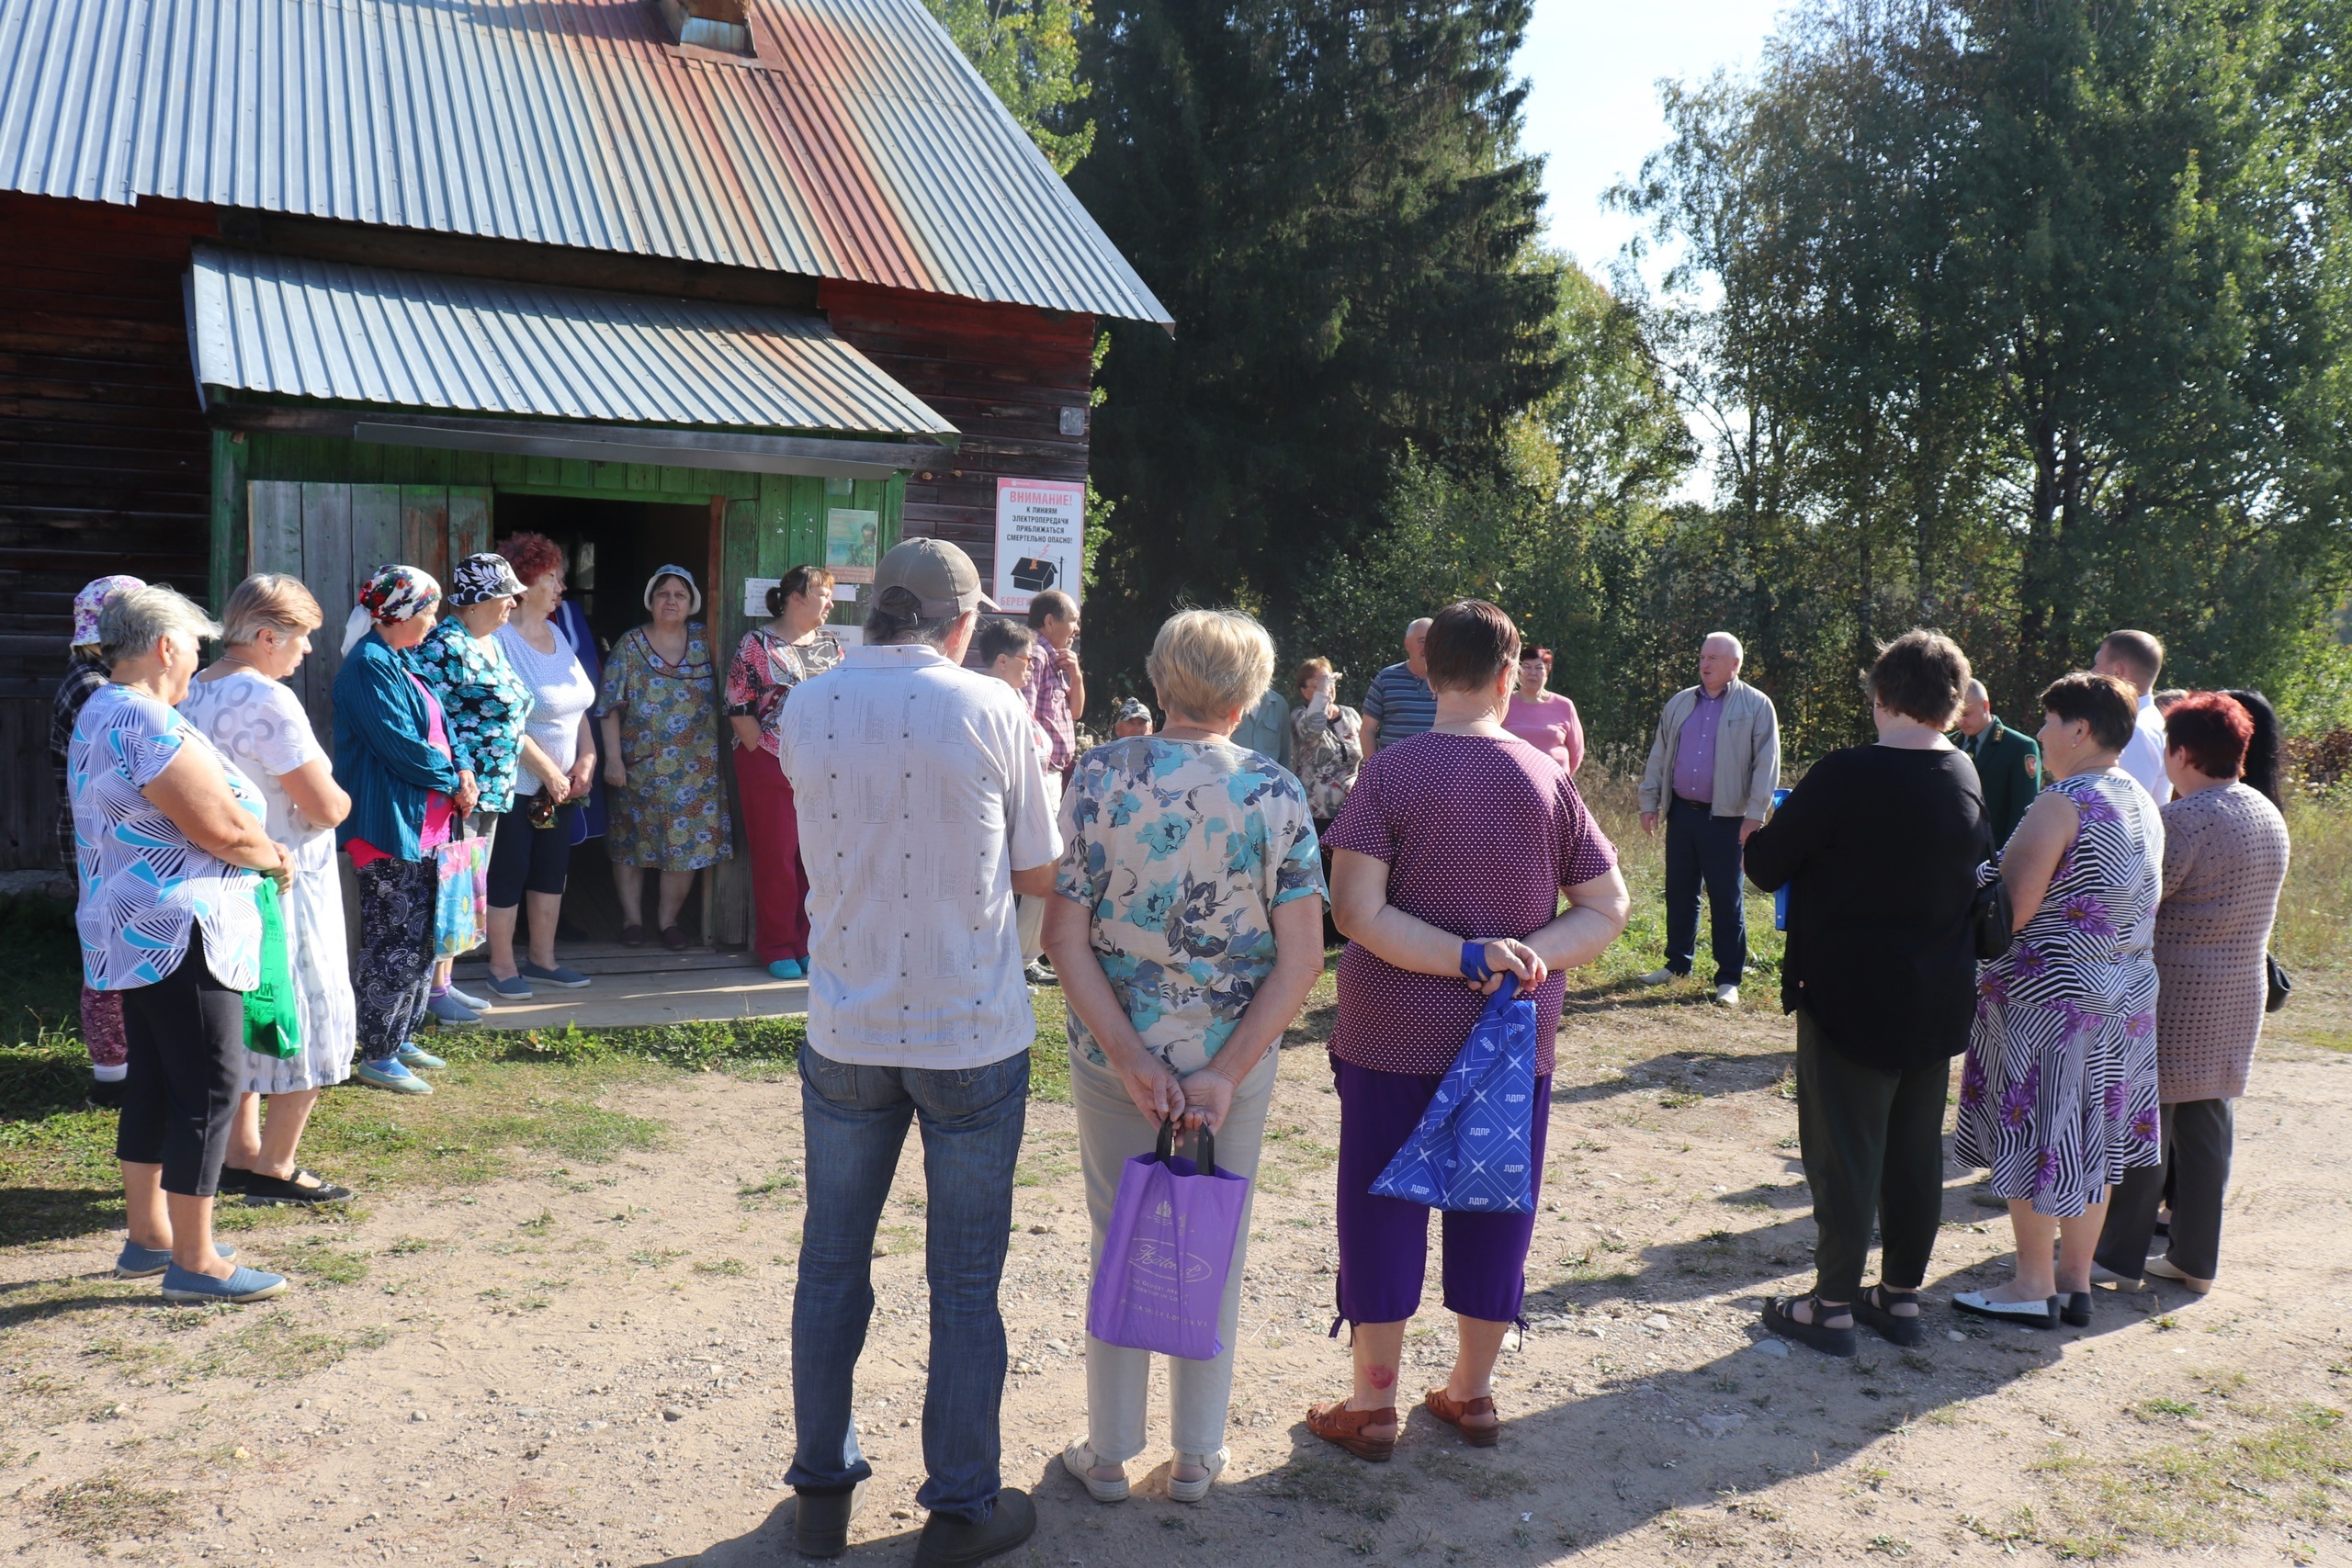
(1326, 752)
(660, 714)
(773, 659)
(1185, 933)
(486, 704)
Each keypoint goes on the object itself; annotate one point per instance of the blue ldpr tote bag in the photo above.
(1471, 1150)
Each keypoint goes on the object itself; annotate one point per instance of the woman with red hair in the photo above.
(1546, 720)
(2225, 860)
(530, 856)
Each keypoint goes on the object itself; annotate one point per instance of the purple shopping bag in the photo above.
(1160, 1281)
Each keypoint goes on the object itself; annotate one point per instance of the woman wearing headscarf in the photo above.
(659, 712)
(167, 834)
(86, 671)
(773, 659)
(464, 661)
(243, 704)
(392, 752)
(530, 859)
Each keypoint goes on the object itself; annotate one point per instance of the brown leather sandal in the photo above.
(1338, 1424)
(1442, 1404)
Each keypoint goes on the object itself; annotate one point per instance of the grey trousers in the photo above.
(1111, 1132)
(2199, 1136)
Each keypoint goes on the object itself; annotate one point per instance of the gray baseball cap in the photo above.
(936, 572)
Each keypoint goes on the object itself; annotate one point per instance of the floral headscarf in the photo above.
(93, 599)
(480, 578)
(395, 594)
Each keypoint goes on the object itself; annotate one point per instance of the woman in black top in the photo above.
(1880, 848)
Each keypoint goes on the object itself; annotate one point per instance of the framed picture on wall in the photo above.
(852, 543)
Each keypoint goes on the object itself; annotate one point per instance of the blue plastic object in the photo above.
(1780, 897)
(1471, 1150)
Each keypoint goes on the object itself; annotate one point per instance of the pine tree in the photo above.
(1330, 201)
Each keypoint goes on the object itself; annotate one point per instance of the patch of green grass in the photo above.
(2316, 907)
(1343, 1484)
(274, 1347)
(655, 1258)
(107, 1507)
(2157, 1409)
(313, 1258)
(135, 1360)
(2282, 1467)
(1483, 1482)
(773, 1192)
(732, 1268)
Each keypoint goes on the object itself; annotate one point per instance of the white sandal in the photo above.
(1079, 1461)
(1193, 1491)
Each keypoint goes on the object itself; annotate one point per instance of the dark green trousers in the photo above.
(1874, 1150)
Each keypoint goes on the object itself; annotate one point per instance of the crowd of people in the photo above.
(931, 842)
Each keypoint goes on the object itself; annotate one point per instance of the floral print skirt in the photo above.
(2058, 1102)
(672, 815)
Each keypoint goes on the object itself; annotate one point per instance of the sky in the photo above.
(1593, 107)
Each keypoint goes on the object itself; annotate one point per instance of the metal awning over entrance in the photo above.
(564, 372)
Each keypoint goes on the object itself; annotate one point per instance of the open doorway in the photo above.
(611, 549)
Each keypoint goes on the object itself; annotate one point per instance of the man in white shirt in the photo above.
(922, 812)
(2136, 659)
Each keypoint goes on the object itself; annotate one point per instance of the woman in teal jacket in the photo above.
(393, 754)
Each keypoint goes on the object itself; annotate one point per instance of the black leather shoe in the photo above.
(951, 1540)
(821, 1524)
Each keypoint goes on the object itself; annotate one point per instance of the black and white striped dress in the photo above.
(2058, 1098)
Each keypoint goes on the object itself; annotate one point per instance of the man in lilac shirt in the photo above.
(1714, 765)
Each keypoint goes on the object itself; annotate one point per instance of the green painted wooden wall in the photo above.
(774, 521)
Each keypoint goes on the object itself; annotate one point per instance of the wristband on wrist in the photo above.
(1473, 962)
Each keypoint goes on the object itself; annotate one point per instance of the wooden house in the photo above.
(314, 284)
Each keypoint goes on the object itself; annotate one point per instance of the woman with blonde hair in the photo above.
(244, 704)
(1176, 1005)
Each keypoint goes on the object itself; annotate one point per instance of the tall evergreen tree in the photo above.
(1329, 197)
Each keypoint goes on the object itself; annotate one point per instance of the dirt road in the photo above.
(590, 1366)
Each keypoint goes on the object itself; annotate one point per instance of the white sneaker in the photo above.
(1658, 977)
(1726, 996)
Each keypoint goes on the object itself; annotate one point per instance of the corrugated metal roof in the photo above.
(861, 146)
(297, 327)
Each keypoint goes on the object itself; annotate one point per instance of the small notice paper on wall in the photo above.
(1040, 537)
(755, 595)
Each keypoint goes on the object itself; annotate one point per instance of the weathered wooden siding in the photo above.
(1009, 376)
(103, 450)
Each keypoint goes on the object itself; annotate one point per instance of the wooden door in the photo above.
(335, 536)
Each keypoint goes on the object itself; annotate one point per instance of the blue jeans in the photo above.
(855, 1120)
(1702, 847)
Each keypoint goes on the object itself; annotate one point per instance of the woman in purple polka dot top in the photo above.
(1454, 846)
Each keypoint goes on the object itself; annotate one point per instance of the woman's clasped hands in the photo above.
(1509, 956)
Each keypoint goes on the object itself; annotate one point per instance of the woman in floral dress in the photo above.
(659, 712)
(2058, 1098)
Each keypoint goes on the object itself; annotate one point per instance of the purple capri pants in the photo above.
(1384, 1242)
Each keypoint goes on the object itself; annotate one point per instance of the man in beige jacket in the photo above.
(1713, 768)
